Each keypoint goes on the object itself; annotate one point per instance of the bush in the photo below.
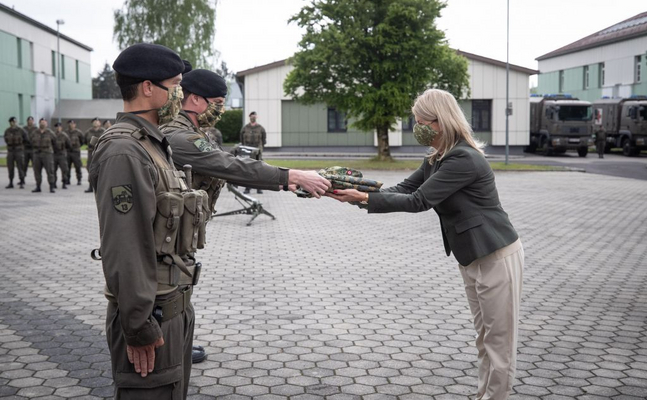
(230, 125)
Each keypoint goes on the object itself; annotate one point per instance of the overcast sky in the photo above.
(250, 33)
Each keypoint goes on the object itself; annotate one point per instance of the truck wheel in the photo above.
(582, 151)
(627, 149)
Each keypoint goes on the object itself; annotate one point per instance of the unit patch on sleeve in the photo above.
(203, 145)
(122, 198)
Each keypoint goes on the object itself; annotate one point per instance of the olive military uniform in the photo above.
(61, 148)
(29, 148)
(89, 134)
(600, 140)
(74, 155)
(141, 217)
(215, 135)
(15, 138)
(210, 165)
(254, 136)
(43, 142)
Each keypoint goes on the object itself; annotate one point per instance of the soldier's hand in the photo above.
(143, 357)
(310, 181)
(346, 195)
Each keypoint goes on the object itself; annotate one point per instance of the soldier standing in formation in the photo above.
(43, 142)
(204, 95)
(62, 146)
(254, 135)
(74, 155)
(15, 137)
(30, 128)
(107, 124)
(145, 242)
(94, 132)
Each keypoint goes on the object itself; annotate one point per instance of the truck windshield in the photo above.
(574, 113)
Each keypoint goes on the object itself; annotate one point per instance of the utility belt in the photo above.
(171, 308)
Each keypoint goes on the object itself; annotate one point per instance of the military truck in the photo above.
(625, 122)
(559, 122)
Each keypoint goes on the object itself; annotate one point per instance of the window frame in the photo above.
(338, 119)
(479, 106)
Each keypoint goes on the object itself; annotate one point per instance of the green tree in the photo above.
(104, 86)
(371, 58)
(230, 125)
(186, 26)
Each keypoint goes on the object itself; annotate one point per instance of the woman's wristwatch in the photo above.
(365, 201)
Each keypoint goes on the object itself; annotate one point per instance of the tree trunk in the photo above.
(383, 149)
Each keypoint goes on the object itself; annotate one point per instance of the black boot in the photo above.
(198, 354)
(22, 184)
(64, 185)
(10, 185)
(89, 189)
(246, 191)
(51, 188)
(259, 191)
(37, 190)
(78, 183)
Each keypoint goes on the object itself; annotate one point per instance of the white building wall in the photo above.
(264, 92)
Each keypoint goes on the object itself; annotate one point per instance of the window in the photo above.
(62, 66)
(53, 63)
(19, 52)
(586, 77)
(561, 81)
(601, 75)
(481, 115)
(336, 121)
(638, 69)
(77, 71)
(407, 124)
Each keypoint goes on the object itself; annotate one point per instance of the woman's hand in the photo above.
(346, 195)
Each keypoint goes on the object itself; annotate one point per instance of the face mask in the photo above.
(173, 105)
(211, 115)
(42, 126)
(424, 134)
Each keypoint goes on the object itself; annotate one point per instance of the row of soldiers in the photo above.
(51, 150)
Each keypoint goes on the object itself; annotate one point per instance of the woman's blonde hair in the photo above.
(439, 105)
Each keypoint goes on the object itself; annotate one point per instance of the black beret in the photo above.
(42, 119)
(70, 121)
(96, 119)
(187, 67)
(252, 113)
(12, 119)
(56, 125)
(30, 117)
(204, 83)
(145, 61)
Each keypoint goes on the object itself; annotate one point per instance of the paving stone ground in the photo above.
(327, 302)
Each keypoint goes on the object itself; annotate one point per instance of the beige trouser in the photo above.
(493, 286)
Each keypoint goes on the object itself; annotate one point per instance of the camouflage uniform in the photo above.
(600, 140)
(254, 136)
(345, 178)
(63, 144)
(43, 142)
(15, 138)
(29, 148)
(74, 155)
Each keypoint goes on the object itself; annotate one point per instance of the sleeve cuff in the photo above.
(284, 175)
(147, 335)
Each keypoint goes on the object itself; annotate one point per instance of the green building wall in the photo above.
(307, 125)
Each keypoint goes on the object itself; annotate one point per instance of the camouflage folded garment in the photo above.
(344, 178)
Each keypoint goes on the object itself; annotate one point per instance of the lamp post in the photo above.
(59, 22)
(507, 83)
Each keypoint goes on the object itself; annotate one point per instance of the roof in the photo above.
(42, 26)
(630, 28)
(467, 55)
(88, 109)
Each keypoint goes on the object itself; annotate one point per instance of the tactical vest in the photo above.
(13, 138)
(180, 221)
(252, 136)
(209, 184)
(60, 143)
(75, 139)
(30, 133)
(43, 141)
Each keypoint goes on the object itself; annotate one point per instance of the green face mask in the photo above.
(173, 105)
(424, 134)
(210, 117)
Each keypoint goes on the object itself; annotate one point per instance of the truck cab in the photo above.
(625, 122)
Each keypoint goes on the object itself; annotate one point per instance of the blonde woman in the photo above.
(457, 182)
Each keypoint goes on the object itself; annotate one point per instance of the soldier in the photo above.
(94, 132)
(43, 141)
(600, 140)
(253, 135)
(15, 137)
(30, 128)
(74, 155)
(145, 243)
(215, 135)
(107, 124)
(202, 106)
(62, 146)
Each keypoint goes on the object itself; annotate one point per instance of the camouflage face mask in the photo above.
(210, 117)
(172, 107)
(424, 134)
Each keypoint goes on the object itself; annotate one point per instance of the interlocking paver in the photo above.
(290, 318)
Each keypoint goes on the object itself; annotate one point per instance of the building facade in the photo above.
(290, 124)
(29, 65)
(608, 63)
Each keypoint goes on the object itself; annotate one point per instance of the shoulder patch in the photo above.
(122, 198)
(203, 145)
